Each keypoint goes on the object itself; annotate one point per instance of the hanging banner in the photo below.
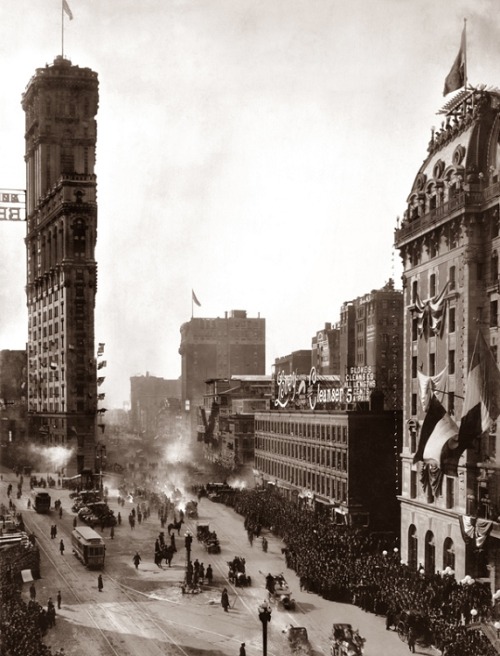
(12, 205)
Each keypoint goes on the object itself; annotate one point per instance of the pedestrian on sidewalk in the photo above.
(100, 584)
(112, 532)
(61, 547)
(59, 599)
(32, 592)
(243, 650)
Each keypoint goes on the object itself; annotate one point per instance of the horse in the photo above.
(175, 526)
(167, 553)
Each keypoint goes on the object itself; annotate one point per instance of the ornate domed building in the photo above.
(449, 242)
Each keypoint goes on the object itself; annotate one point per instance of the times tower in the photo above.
(60, 103)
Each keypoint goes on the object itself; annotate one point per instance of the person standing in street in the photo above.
(112, 532)
(32, 592)
(243, 650)
(136, 559)
(224, 600)
(100, 584)
(61, 547)
(59, 599)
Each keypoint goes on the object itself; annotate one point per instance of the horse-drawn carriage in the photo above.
(346, 641)
(208, 538)
(237, 574)
(279, 592)
(416, 621)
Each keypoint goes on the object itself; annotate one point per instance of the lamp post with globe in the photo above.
(264, 617)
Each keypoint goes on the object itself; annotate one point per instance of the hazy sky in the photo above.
(256, 151)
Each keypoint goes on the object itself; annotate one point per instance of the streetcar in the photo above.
(88, 546)
(40, 500)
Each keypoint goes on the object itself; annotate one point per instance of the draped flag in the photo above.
(100, 349)
(67, 10)
(195, 300)
(437, 430)
(456, 77)
(475, 529)
(482, 396)
(430, 313)
(428, 385)
(102, 364)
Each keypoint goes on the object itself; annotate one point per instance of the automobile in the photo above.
(299, 641)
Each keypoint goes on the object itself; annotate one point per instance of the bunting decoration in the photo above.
(475, 529)
(438, 439)
(428, 385)
(100, 380)
(102, 364)
(101, 396)
(100, 349)
(430, 313)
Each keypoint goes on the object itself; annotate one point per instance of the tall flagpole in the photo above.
(62, 29)
(465, 54)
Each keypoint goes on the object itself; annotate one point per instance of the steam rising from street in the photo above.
(51, 458)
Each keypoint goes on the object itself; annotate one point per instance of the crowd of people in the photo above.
(353, 566)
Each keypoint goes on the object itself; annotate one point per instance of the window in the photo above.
(451, 278)
(451, 320)
(451, 361)
(432, 285)
(432, 364)
(414, 291)
(414, 366)
(450, 491)
(493, 313)
(414, 329)
(494, 267)
(413, 484)
(413, 404)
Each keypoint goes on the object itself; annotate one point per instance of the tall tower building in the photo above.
(60, 103)
(449, 243)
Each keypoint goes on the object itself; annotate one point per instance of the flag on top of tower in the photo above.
(195, 299)
(67, 10)
(456, 78)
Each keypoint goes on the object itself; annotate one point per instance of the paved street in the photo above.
(143, 612)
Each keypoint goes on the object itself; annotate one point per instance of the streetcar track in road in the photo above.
(103, 610)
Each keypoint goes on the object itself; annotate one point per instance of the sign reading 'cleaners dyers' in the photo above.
(12, 205)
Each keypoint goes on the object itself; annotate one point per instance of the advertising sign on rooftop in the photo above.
(313, 391)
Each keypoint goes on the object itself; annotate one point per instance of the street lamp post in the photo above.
(264, 617)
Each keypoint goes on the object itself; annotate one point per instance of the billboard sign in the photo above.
(312, 391)
(12, 205)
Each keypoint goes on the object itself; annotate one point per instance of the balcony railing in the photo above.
(411, 227)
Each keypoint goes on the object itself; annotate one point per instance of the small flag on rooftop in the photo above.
(67, 10)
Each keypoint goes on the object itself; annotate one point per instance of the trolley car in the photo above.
(88, 546)
(40, 500)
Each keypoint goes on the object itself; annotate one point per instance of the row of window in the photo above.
(325, 432)
(332, 487)
(310, 453)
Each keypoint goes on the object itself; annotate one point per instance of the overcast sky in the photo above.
(256, 151)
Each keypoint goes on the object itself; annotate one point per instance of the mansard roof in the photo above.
(465, 145)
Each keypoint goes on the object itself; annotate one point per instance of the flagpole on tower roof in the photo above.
(465, 54)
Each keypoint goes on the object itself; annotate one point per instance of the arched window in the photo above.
(430, 554)
(448, 554)
(412, 547)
